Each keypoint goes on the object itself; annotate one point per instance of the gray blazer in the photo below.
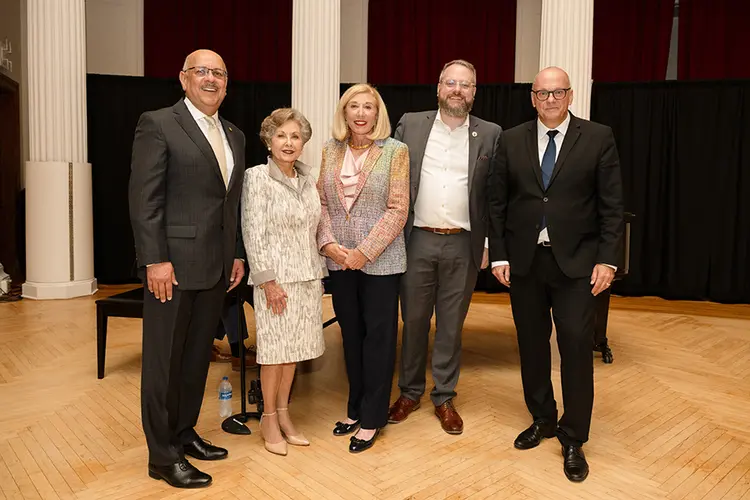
(180, 209)
(414, 130)
(279, 223)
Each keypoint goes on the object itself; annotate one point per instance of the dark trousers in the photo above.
(602, 315)
(572, 304)
(367, 310)
(440, 277)
(228, 325)
(177, 339)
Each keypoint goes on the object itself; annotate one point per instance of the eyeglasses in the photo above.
(203, 71)
(543, 95)
(452, 84)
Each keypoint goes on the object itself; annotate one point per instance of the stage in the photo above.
(670, 415)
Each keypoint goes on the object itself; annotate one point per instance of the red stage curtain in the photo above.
(409, 40)
(254, 38)
(631, 40)
(713, 40)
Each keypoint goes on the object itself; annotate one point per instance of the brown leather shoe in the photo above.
(401, 409)
(449, 418)
(219, 357)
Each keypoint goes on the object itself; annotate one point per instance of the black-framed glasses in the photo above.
(543, 95)
(204, 71)
(451, 84)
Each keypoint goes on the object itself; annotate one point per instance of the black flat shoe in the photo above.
(531, 437)
(180, 474)
(203, 450)
(360, 445)
(575, 465)
(343, 429)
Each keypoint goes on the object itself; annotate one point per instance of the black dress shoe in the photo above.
(360, 445)
(180, 474)
(531, 437)
(575, 465)
(203, 450)
(343, 429)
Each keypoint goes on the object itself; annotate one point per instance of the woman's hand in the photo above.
(355, 260)
(337, 253)
(275, 297)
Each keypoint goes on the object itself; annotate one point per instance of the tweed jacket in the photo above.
(279, 225)
(375, 223)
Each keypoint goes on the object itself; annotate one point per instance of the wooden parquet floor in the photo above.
(670, 416)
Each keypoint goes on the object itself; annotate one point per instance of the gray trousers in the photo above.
(440, 276)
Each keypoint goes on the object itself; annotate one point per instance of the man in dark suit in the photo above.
(187, 171)
(449, 156)
(556, 223)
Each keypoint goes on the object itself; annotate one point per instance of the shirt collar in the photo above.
(562, 129)
(439, 118)
(197, 114)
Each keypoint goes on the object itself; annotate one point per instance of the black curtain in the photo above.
(114, 105)
(507, 105)
(685, 154)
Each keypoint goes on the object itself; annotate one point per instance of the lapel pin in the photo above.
(473, 134)
(230, 129)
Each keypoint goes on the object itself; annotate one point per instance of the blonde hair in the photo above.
(382, 128)
(278, 118)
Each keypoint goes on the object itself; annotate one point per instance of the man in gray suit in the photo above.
(449, 155)
(185, 185)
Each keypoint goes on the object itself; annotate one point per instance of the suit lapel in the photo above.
(422, 136)
(372, 158)
(338, 160)
(188, 124)
(574, 132)
(532, 146)
(474, 141)
(238, 171)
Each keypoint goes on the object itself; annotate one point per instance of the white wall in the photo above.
(353, 41)
(528, 35)
(114, 37)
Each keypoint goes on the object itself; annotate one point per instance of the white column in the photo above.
(567, 41)
(59, 225)
(354, 16)
(316, 35)
(528, 32)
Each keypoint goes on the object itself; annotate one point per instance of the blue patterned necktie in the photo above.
(548, 165)
(548, 160)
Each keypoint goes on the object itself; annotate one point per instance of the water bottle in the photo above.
(225, 398)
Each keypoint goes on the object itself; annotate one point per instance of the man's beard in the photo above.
(456, 110)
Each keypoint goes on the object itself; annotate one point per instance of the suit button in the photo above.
(545, 199)
(221, 227)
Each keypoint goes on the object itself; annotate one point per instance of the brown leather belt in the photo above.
(438, 230)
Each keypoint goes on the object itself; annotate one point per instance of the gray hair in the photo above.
(278, 118)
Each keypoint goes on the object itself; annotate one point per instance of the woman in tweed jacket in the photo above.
(364, 193)
(280, 214)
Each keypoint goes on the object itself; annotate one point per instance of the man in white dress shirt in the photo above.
(449, 154)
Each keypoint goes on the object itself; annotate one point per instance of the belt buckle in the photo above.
(441, 231)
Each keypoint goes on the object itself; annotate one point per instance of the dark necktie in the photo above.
(548, 165)
(548, 160)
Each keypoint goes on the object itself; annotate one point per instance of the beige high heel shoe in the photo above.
(279, 448)
(298, 440)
